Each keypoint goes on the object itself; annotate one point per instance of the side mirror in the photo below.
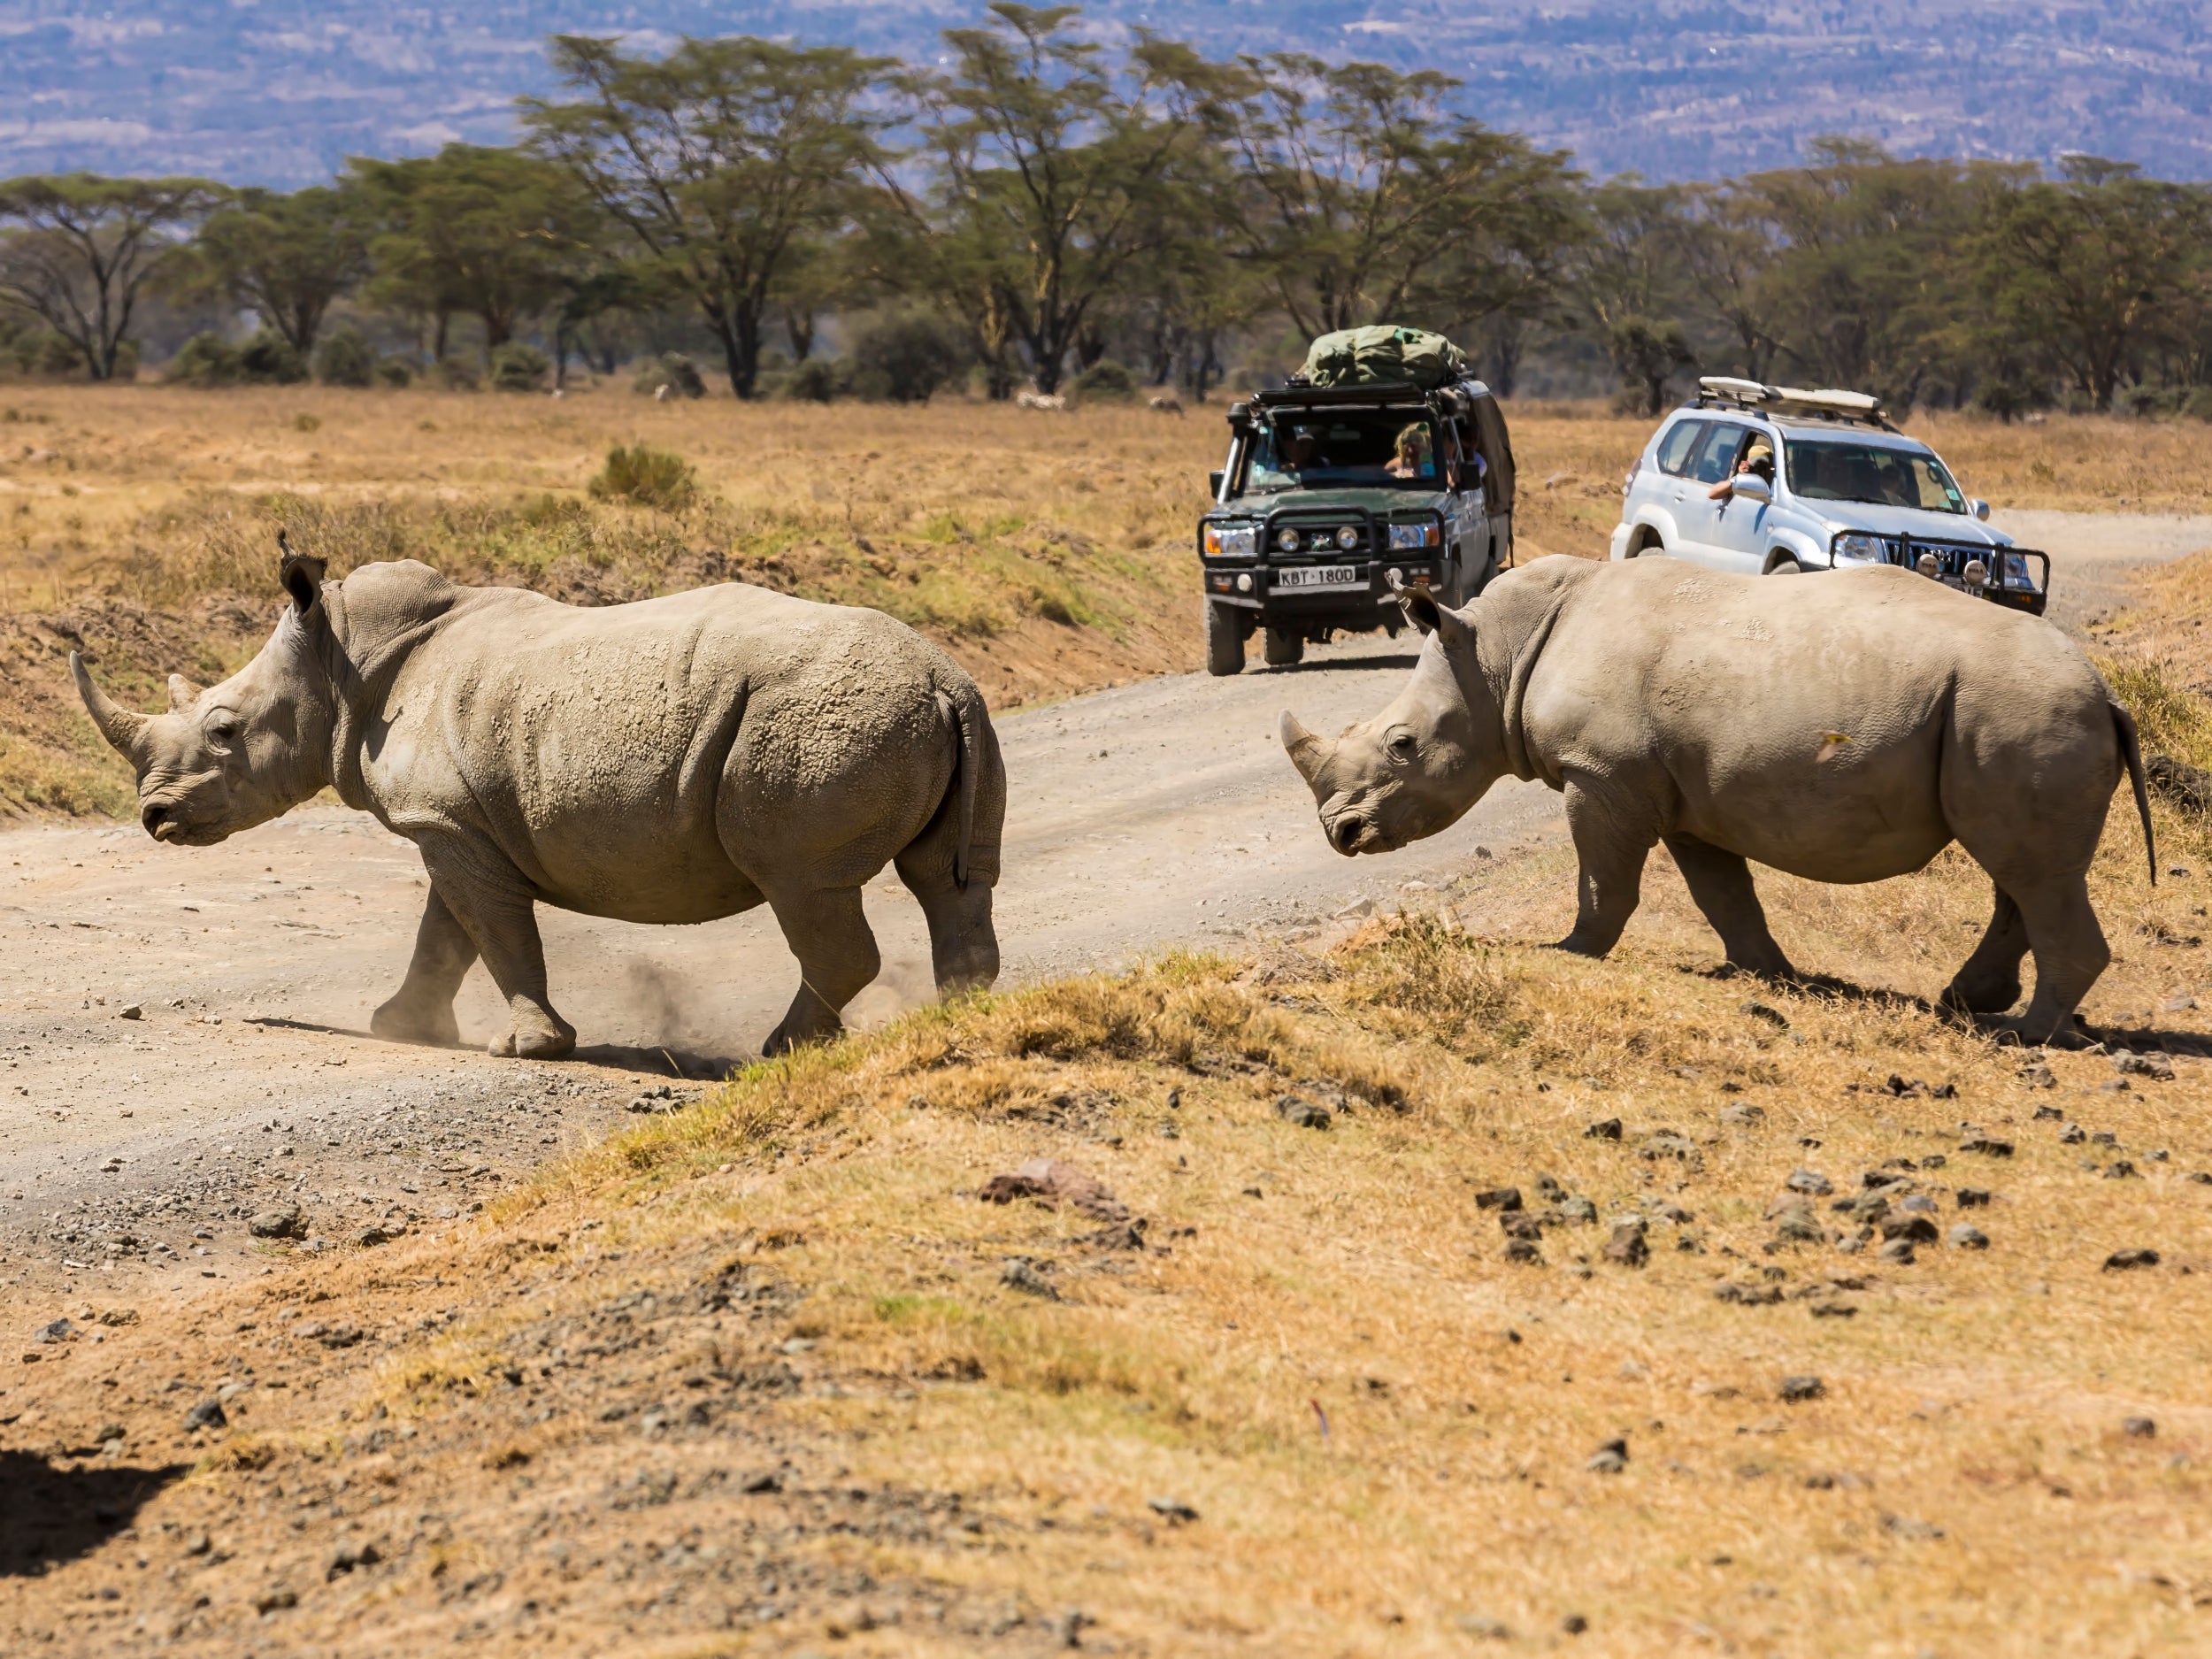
(1979, 509)
(1750, 486)
(1213, 483)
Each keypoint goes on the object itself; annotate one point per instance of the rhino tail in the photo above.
(2132, 751)
(967, 768)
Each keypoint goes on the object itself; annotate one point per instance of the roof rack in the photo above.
(1726, 391)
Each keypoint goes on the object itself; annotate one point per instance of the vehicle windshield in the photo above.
(1352, 446)
(1822, 469)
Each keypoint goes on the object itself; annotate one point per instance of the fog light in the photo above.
(1348, 538)
(1286, 540)
(1396, 575)
(1977, 573)
(1927, 564)
(1244, 582)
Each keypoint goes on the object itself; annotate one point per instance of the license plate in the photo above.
(1321, 576)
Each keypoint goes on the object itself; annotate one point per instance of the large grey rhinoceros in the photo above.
(676, 760)
(1846, 728)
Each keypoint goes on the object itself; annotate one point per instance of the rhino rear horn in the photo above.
(182, 693)
(124, 729)
(1302, 746)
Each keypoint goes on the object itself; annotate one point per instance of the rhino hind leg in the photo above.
(828, 931)
(2069, 953)
(963, 943)
(421, 1010)
(1989, 981)
(1720, 882)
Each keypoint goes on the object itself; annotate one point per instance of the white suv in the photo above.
(1834, 484)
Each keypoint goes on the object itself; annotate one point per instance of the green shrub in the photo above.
(269, 360)
(678, 373)
(344, 357)
(647, 476)
(816, 381)
(905, 359)
(519, 368)
(456, 375)
(395, 372)
(206, 359)
(1105, 381)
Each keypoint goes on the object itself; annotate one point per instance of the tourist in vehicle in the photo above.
(1758, 457)
(1412, 459)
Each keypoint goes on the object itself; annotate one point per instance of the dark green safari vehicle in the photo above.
(1330, 490)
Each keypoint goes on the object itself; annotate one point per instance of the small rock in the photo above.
(2180, 1004)
(271, 1600)
(1173, 1510)
(1020, 1274)
(1627, 1245)
(1665, 1143)
(1296, 1108)
(1609, 1459)
(1574, 1624)
(349, 1556)
(2118, 1086)
(1749, 1295)
(1604, 1129)
(2121, 1260)
(1548, 1189)
(55, 1331)
(1918, 1203)
(2139, 1428)
(283, 1223)
(1523, 1252)
(131, 1011)
(1809, 1181)
(1743, 1116)
(1521, 1223)
(2156, 1066)
(2048, 1114)
(1484, 1629)
(1796, 1390)
(198, 1544)
(1986, 1146)
(1795, 1224)
(1898, 1251)
(1358, 907)
(369, 1237)
(1973, 1197)
(1965, 1237)
(1498, 1198)
(2121, 1171)
(208, 1414)
(2039, 1076)
(2072, 1135)
(1578, 1210)
(1773, 1016)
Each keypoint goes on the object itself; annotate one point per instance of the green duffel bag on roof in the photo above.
(1363, 356)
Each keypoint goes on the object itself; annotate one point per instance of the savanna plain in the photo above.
(1390, 1286)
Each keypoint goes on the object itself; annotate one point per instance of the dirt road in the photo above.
(134, 1149)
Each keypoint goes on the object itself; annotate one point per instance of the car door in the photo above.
(1739, 535)
(1468, 530)
(1663, 491)
(1697, 517)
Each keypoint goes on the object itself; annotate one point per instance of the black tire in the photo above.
(1225, 641)
(1786, 567)
(1281, 650)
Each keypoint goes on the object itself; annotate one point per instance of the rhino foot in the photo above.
(398, 1021)
(787, 1037)
(551, 1039)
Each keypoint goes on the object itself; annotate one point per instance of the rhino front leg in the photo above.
(1612, 848)
(829, 933)
(1989, 983)
(488, 899)
(1720, 882)
(421, 1010)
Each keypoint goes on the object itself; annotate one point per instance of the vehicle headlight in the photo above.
(1861, 550)
(1232, 541)
(2012, 572)
(1288, 540)
(1405, 535)
(1347, 538)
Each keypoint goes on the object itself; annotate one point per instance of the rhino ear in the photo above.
(1418, 603)
(182, 694)
(301, 574)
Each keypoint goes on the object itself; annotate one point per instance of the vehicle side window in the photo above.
(1675, 447)
(1716, 456)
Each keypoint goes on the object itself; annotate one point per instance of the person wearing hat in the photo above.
(1758, 457)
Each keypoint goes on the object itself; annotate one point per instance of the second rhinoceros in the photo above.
(1840, 736)
(676, 760)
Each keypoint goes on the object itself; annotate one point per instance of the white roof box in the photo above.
(1826, 403)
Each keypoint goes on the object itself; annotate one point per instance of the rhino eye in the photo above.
(224, 730)
(1402, 746)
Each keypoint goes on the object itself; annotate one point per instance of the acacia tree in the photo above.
(2090, 268)
(489, 233)
(719, 163)
(1625, 285)
(1053, 177)
(287, 257)
(77, 251)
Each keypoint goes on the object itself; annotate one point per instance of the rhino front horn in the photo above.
(1302, 746)
(124, 730)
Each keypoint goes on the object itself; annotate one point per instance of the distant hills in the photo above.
(280, 91)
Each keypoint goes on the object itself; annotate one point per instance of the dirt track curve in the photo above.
(134, 1149)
